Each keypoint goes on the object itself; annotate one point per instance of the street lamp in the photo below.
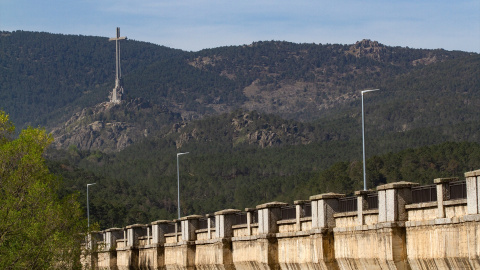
(88, 207)
(363, 140)
(178, 183)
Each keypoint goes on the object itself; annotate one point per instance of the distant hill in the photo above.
(46, 78)
(267, 121)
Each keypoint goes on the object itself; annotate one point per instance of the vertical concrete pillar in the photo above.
(128, 256)
(90, 258)
(392, 199)
(93, 238)
(362, 204)
(181, 255)
(189, 225)
(443, 193)
(159, 229)
(268, 215)
(107, 256)
(134, 232)
(110, 237)
(152, 256)
(323, 208)
(299, 213)
(473, 191)
(224, 221)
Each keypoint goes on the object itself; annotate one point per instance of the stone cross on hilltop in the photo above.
(117, 92)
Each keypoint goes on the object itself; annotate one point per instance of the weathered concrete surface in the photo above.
(382, 247)
(180, 256)
(452, 245)
(442, 234)
(107, 260)
(89, 259)
(306, 251)
(151, 257)
(422, 211)
(214, 254)
(256, 252)
(127, 258)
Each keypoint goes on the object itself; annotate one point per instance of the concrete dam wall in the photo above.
(397, 226)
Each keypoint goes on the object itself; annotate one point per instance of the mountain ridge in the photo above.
(259, 76)
(49, 78)
(262, 122)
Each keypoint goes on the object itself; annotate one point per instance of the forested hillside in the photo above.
(46, 77)
(267, 121)
(142, 188)
(244, 158)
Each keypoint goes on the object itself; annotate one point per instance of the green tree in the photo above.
(38, 230)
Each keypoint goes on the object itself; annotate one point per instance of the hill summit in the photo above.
(57, 81)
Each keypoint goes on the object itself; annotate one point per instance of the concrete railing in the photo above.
(384, 230)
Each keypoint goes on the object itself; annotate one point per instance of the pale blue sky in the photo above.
(197, 24)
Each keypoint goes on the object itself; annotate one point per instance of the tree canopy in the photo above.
(38, 229)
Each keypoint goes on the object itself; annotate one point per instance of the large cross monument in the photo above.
(117, 92)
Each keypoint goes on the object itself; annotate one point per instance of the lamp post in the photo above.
(88, 206)
(363, 140)
(178, 183)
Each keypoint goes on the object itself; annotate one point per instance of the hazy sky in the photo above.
(197, 24)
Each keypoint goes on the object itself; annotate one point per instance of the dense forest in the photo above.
(231, 166)
(145, 190)
(46, 77)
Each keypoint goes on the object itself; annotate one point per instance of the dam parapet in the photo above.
(398, 225)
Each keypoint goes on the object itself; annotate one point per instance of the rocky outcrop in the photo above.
(253, 128)
(264, 138)
(367, 48)
(111, 128)
(246, 127)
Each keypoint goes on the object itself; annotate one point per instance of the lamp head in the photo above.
(369, 90)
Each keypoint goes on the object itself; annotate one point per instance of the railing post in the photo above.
(133, 233)
(91, 242)
(443, 193)
(124, 237)
(473, 191)
(92, 239)
(107, 256)
(224, 221)
(362, 204)
(210, 222)
(189, 225)
(392, 199)
(128, 256)
(268, 215)
(323, 208)
(250, 212)
(178, 230)
(111, 236)
(159, 229)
